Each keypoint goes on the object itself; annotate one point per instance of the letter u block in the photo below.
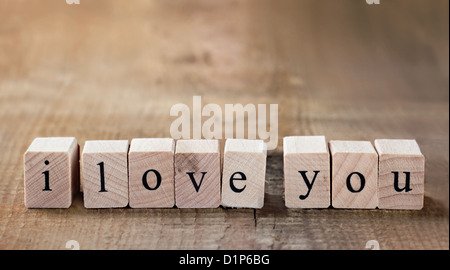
(401, 174)
(244, 173)
(306, 172)
(197, 174)
(51, 172)
(151, 171)
(104, 167)
(354, 181)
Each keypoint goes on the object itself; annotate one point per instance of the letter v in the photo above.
(308, 184)
(191, 176)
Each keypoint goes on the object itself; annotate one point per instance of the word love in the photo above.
(159, 173)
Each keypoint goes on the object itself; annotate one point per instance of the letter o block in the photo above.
(354, 178)
(244, 173)
(151, 169)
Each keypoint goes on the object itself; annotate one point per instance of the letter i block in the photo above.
(244, 173)
(197, 174)
(401, 174)
(151, 180)
(104, 167)
(354, 181)
(306, 172)
(51, 172)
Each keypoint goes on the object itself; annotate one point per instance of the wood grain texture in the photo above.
(244, 173)
(104, 170)
(401, 174)
(354, 174)
(307, 154)
(112, 70)
(51, 172)
(152, 161)
(197, 174)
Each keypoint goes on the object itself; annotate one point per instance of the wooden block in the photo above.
(306, 172)
(244, 173)
(401, 176)
(197, 174)
(151, 173)
(51, 171)
(354, 174)
(104, 166)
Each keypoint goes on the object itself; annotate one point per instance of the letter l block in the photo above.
(104, 167)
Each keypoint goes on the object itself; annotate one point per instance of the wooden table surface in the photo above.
(113, 69)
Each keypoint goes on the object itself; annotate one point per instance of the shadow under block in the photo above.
(244, 173)
(401, 174)
(104, 167)
(354, 178)
(306, 172)
(51, 171)
(197, 174)
(151, 173)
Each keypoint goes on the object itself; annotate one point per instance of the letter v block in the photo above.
(306, 172)
(354, 181)
(104, 167)
(51, 172)
(151, 170)
(401, 174)
(197, 174)
(244, 173)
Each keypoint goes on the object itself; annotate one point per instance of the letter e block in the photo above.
(306, 172)
(151, 171)
(51, 172)
(401, 174)
(197, 174)
(354, 174)
(104, 167)
(244, 173)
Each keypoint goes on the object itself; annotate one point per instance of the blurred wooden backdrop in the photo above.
(113, 69)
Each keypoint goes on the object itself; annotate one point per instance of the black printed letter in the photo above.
(349, 184)
(308, 184)
(242, 178)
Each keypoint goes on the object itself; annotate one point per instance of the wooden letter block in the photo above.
(151, 170)
(197, 174)
(104, 166)
(354, 174)
(244, 173)
(401, 174)
(51, 172)
(306, 172)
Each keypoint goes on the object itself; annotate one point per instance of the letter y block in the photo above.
(306, 172)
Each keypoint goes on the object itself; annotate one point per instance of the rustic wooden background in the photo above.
(113, 69)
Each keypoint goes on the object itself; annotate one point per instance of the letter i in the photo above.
(47, 178)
